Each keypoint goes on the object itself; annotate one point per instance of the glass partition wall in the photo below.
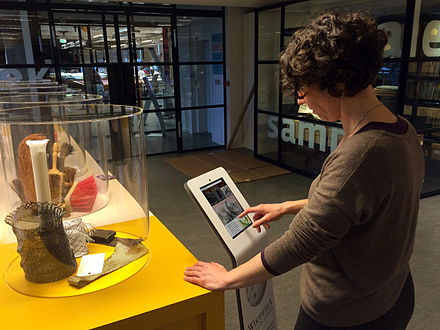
(201, 72)
(408, 83)
(422, 97)
(166, 59)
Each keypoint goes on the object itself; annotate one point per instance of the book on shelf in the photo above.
(424, 89)
(427, 68)
(412, 68)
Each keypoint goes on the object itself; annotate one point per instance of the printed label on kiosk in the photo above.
(220, 201)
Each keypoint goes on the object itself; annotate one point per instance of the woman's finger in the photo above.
(192, 273)
(193, 280)
(242, 214)
(257, 228)
(195, 267)
(261, 221)
(250, 209)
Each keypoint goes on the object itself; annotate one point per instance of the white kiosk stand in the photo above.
(220, 201)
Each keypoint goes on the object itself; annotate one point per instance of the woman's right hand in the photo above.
(264, 213)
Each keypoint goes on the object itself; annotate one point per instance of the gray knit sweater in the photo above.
(356, 234)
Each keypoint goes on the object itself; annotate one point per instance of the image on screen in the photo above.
(226, 206)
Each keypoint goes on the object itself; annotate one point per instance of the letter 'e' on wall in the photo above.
(431, 39)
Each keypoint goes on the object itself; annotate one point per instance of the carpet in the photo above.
(240, 166)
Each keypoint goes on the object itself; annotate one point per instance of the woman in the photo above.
(355, 232)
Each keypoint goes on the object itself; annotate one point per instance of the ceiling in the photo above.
(375, 7)
(227, 3)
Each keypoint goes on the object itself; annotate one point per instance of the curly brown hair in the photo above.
(334, 50)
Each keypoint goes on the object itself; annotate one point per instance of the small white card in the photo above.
(91, 264)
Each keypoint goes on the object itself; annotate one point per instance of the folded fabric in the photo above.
(78, 233)
(126, 251)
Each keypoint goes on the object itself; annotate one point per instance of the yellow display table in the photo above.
(156, 297)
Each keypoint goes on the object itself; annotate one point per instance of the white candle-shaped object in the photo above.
(39, 168)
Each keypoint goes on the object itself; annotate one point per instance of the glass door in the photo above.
(169, 64)
(154, 74)
(81, 52)
(201, 73)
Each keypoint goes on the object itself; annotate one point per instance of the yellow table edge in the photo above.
(157, 288)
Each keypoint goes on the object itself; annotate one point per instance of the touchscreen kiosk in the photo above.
(220, 202)
(226, 206)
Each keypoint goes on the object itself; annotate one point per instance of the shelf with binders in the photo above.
(422, 100)
(424, 69)
(423, 80)
(423, 89)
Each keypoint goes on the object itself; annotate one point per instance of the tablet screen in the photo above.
(226, 206)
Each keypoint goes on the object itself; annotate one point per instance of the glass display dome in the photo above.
(75, 186)
(26, 100)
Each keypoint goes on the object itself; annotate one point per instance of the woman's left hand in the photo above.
(209, 275)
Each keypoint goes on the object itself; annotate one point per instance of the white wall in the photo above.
(239, 36)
